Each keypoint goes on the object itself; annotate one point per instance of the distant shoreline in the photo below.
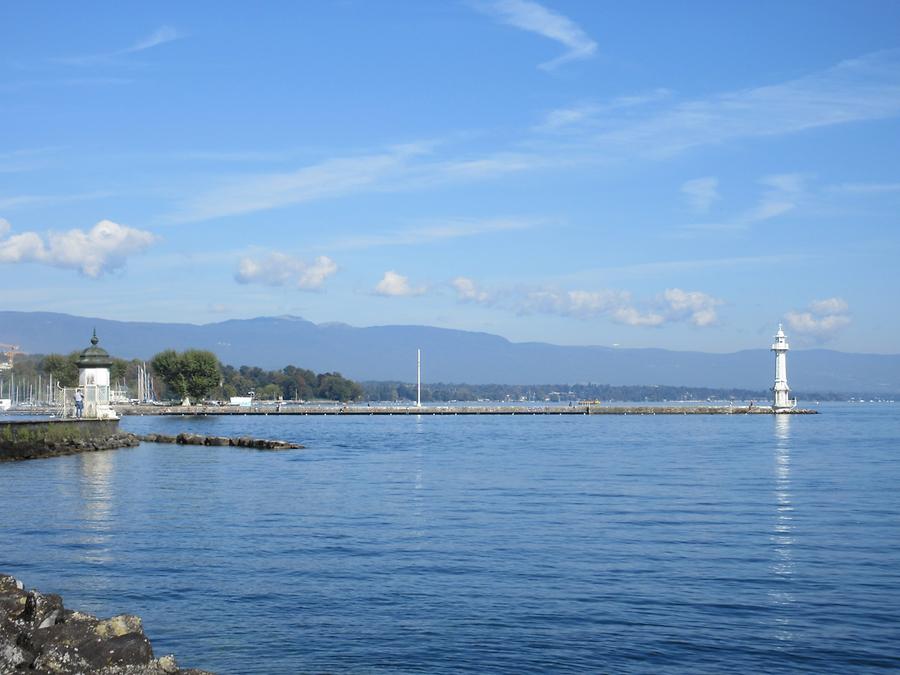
(452, 410)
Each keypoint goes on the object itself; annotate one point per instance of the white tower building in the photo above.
(418, 378)
(780, 347)
(93, 380)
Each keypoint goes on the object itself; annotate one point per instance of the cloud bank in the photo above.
(280, 269)
(821, 320)
(674, 305)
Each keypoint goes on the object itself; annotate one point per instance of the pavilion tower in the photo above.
(93, 379)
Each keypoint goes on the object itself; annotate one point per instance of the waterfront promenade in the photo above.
(458, 409)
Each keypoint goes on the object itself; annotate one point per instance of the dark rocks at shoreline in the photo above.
(39, 635)
(224, 441)
(58, 447)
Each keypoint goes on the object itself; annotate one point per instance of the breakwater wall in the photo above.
(200, 439)
(38, 634)
(356, 409)
(31, 439)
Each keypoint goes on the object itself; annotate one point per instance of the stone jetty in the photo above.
(23, 439)
(38, 634)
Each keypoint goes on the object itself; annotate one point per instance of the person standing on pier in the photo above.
(79, 403)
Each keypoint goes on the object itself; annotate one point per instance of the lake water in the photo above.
(695, 544)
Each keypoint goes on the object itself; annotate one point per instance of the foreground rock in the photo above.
(199, 439)
(38, 634)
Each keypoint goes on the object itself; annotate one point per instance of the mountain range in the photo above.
(389, 353)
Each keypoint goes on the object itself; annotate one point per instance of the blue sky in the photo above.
(655, 174)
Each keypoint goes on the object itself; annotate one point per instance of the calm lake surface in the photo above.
(696, 544)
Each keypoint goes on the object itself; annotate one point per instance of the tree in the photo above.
(63, 368)
(203, 372)
(335, 387)
(191, 374)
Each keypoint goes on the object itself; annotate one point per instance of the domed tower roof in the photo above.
(94, 356)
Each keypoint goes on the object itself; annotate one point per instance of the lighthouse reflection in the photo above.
(782, 537)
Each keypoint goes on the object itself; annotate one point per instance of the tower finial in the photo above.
(95, 339)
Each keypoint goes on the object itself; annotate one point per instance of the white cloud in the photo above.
(534, 17)
(4, 227)
(592, 114)
(674, 305)
(701, 193)
(867, 188)
(103, 248)
(821, 320)
(694, 306)
(829, 306)
(280, 269)
(393, 284)
(468, 291)
(784, 192)
(452, 228)
(23, 201)
(866, 88)
(397, 168)
(577, 303)
(160, 36)
(330, 178)
(633, 317)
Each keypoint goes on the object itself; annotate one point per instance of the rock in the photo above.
(189, 439)
(37, 634)
(119, 625)
(41, 610)
(218, 440)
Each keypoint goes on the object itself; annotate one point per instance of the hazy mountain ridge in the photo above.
(389, 353)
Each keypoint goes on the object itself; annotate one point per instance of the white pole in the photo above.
(418, 378)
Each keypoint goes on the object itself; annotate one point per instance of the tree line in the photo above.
(198, 375)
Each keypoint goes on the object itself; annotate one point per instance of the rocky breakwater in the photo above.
(199, 439)
(24, 439)
(39, 635)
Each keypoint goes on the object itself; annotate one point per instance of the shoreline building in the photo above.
(782, 400)
(93, 379)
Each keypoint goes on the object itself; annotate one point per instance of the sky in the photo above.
(655, 174)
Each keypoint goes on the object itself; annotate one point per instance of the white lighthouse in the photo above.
(782, 391)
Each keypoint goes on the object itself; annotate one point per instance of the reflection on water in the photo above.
(783, 537)
(95, 472)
